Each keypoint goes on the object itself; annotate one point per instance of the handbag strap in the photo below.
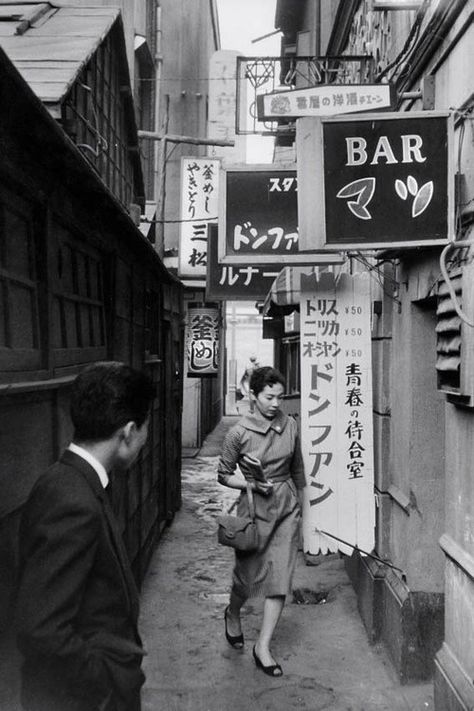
(249, 499)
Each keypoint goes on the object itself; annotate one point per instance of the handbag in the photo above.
(239, 532)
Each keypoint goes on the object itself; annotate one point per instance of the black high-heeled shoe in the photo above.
(235, 641)
(271, 670)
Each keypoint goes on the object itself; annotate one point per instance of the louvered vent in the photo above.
(448, 333)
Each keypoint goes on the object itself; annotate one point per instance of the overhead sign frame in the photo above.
(267, 241)
(369, 193)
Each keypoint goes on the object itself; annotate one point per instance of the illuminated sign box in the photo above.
(202, 340)
(237, 282)
(376, 181)
(198, 208)
(258, 218)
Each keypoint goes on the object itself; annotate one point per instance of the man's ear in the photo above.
(127, 430)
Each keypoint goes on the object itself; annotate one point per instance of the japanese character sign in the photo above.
(236, 281)
(336, 413)
(324, 100)
(199, 207)
(387, 182)
(202, 340)
(261, 212)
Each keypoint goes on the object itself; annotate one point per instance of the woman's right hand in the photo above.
(263, 487)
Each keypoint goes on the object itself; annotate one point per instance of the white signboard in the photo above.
(336, 414)
(222, 106)
(324, 100)
(199, 207)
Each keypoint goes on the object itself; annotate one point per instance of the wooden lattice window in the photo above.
(78, 328)
(455, 338)
(19, 318)
(94, 116)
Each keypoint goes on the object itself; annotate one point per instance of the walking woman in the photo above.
(272, 438)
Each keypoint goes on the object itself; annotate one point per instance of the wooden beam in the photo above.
(195, 141)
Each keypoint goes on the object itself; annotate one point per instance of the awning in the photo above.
(284, 295)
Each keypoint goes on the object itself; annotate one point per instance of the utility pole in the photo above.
(164, 139)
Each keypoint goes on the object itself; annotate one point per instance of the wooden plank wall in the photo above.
(78, 284)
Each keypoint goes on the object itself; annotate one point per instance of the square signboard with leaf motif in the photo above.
(378, 181)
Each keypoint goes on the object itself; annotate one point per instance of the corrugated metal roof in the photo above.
(52, 50)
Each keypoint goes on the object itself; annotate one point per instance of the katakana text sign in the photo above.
(387, 181)
(324, 100)
(260, 212)
(202, 340)
(199, 207)
(336, 413)
(236, 281)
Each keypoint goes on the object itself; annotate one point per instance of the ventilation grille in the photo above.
(448, 336)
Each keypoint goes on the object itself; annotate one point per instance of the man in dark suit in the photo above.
(77, 602)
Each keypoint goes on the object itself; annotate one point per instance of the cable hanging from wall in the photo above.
(442, 263)
(378, 275)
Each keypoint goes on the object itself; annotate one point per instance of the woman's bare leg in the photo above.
(272, 609)
(233, 614)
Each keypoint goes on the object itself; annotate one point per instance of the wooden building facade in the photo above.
(79, 283)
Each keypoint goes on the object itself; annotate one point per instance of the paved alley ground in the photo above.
(327, 661)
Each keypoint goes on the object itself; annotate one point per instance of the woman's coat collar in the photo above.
(257, 423)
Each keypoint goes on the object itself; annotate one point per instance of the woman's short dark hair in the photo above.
(107, 395)
(265, 376)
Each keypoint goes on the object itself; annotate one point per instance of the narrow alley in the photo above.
(326, 658)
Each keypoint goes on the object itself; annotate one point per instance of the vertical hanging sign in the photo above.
(199, 206)
(336, 414)
(202, 340)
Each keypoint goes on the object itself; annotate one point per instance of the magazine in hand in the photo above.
(254, 467)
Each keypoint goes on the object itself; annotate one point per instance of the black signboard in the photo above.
(387, 180)
(261, 211)
(237, 282)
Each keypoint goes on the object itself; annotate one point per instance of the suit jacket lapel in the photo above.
(93, 480)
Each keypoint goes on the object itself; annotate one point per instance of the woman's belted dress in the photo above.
(268, 571)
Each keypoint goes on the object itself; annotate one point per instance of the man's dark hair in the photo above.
(107, 395)
(265, 376)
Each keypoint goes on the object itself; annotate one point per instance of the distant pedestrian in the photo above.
(271, 440)
(77, 600)
(245, 380)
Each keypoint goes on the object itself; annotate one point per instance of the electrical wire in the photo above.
(407, 47)
(378, 276)
(171, 222)
(374, 267)
(444, 272)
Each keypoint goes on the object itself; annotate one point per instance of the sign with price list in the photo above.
(336, 413)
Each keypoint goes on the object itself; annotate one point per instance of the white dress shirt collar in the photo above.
(90, 459)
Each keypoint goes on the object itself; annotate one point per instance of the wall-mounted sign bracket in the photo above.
(426, 93)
